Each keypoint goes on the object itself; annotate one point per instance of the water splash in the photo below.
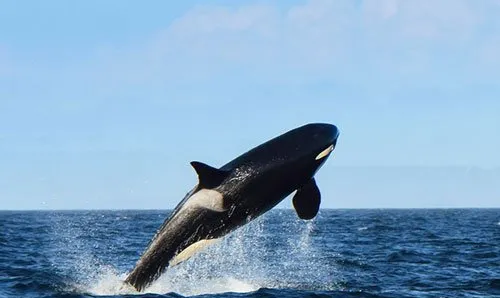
(108, 282)
(241, 262)
(226, 266)
(75, 246)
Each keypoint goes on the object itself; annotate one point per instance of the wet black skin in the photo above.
(251, 184)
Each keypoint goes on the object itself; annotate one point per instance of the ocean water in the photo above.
(341, 253)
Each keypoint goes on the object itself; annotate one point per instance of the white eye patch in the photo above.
(325, 152)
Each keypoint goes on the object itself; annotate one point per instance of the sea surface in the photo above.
(341, 253)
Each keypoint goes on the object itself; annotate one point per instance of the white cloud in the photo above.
(321, 35)
(447, 19)
(207, 20)
(330, 40)
(379, 9)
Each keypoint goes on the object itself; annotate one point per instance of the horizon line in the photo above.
(280, 208)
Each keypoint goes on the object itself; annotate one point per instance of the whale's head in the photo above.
(318, 142)
(304, 149)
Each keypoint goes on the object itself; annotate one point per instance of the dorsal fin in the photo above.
(209, 177)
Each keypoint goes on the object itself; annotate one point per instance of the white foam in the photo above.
(202, 286)
(111, 283)
(108, 283)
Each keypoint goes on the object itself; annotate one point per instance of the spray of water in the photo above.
(255, 256)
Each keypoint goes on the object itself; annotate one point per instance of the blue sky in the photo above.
(103, 104)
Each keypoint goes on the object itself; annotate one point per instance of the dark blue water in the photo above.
(342, 253)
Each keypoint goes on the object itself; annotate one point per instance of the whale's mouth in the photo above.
(325, 152)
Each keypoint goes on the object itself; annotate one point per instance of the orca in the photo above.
(229, 197)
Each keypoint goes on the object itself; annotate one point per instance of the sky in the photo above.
(103, 104)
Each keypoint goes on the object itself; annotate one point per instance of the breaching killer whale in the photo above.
(238, 192)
